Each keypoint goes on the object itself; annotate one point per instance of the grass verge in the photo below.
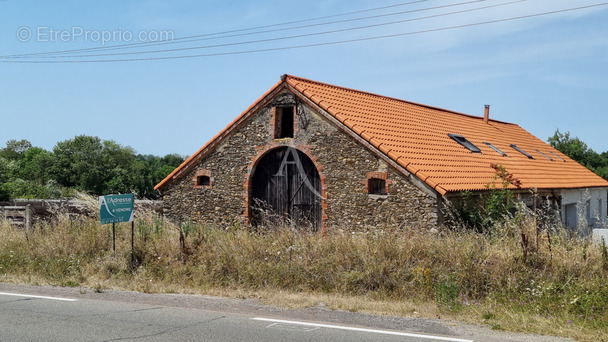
(545, 283)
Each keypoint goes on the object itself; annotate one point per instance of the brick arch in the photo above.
(263, 151)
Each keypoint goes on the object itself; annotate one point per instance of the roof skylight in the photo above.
(496, 149)
(544, 155)
(522, 151)
(562, 159)
(464, 142)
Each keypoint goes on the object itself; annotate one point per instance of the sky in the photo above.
(543, 71)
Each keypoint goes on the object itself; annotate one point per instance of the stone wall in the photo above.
(343, 164)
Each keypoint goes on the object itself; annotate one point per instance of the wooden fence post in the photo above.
(28, 217)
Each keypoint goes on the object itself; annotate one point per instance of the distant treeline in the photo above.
(85, 163)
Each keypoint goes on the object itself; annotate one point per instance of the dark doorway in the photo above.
(286, 188)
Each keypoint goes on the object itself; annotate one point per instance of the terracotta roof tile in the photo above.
(416, 137)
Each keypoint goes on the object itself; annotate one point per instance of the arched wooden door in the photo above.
(286, 186)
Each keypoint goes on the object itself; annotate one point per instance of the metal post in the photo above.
(114, 238)
(132, 243)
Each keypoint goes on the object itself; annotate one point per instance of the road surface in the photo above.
(38, 313)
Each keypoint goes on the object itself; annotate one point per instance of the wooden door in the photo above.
(286, 188)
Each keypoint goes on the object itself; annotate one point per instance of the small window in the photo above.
(522, 151)
(377, 183)
(283, 122)
(376, 186)
(544, 155)
(562, 159)
(496, 149)
(203, 181)
(464, 142)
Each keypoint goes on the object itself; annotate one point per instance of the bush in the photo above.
(484, 211)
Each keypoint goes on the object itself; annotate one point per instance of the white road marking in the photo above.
(375, 331)
(292, 327)
(37, 297)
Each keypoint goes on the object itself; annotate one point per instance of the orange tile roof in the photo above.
(416, 137)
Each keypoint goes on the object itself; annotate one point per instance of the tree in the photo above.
(84, 163)
(578, 150)
(78, 162)
(92, 165)
(36, 165)
(572, 147)
(4, 177)
(149, 170)
(15, 149)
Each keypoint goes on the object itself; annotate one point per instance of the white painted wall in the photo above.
(590, 207)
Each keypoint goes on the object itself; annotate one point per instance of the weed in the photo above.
(446, 295)
(604, 254)
(71, 283)
(488, 316)
(190, 228)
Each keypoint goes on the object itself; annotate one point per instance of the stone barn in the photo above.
(330, 157)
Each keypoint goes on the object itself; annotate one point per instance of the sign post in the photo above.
(117, 208)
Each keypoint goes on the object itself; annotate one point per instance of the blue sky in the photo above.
(543, 72)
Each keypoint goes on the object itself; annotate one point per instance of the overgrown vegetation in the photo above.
(551, 284)
(84, 164)
(485, 210)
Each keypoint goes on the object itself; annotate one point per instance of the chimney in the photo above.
(486, 114)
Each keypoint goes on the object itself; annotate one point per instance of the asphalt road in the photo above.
(30, 313)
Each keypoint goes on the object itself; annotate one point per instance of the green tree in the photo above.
(15, 149)
(580, 152)
(89, 164)
(20, 188)
(36, 165)
(84, 163)
(149, 170)
(4, 177)
(78, 162)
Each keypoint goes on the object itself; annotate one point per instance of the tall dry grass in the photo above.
(517, 278)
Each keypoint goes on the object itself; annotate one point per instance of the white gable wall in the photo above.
(584, 209)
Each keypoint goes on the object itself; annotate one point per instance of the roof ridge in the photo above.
(285, 77)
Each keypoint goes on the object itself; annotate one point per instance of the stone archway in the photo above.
(285, 186)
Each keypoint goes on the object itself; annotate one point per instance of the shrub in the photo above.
(485, 210)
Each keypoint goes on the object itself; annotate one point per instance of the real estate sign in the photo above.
(116, 208)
